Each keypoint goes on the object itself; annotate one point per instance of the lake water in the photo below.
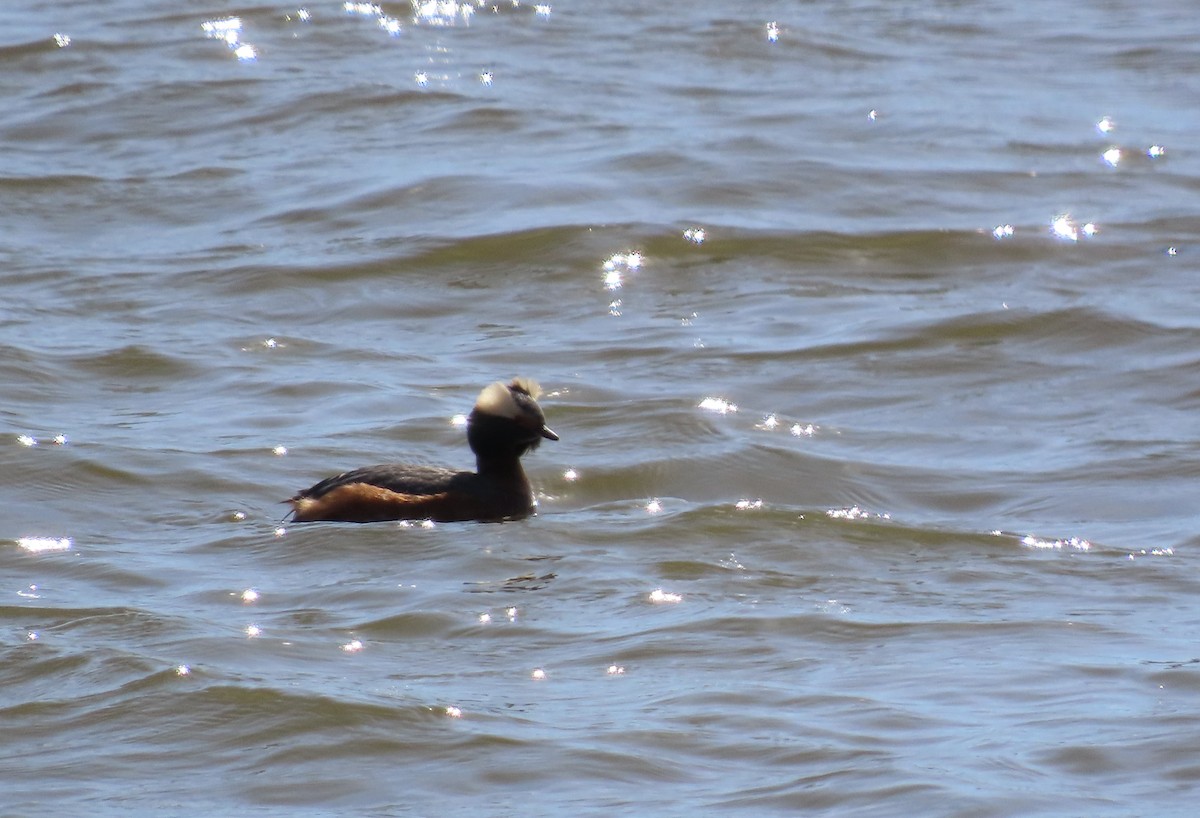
(871, 331)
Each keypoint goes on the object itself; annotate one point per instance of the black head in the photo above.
(507, 420)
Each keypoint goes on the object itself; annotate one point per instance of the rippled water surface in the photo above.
(871, 331)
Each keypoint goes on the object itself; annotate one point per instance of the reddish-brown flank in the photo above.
(364, 503)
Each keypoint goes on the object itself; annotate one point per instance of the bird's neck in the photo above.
(499, 466)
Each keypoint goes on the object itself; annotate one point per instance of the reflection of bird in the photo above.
(505, 423)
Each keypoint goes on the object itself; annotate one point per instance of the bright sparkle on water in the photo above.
(1070, 543)
(731, 562)
(386, 22)
(353, 646)
(182, 670)
(570, 475)
(718, 405)
(1156, 151)
(616, 265)
(854, 513)
(1111, 157)
(542, 10)
(694, 234)
(658, 596)
(220, 28)
(654, 506)
(1106, 124)
(279, 451)
(41, 545)
(486, 78)
(1003, 231)
(253, 631)
(615, 670)
(62, 40)
(441, 12)
(1063, 228)
(538, 674)
(249, 595)
(454, 712)
(772, 32)
(422, 78)
(229, 31)
(1153, 552)
(31, 441)
(745, 505)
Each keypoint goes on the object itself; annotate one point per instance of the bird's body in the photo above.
(505, 423)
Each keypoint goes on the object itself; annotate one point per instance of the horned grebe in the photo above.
(505, 423)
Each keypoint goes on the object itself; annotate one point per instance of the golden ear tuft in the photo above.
(528, 386)
(498, 401)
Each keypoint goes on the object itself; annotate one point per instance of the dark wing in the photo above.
(411, 480)
(378, 493)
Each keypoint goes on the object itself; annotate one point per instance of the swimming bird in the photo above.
(505, 424)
